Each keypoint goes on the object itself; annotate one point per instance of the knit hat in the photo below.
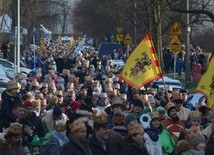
(100, 118)
(75, 105)
(134, 128)
(135, 91)
(60, 86)
(76, 125)
(160, 110)
(129, 118)
(170, 109)
(194, 136)
(139, 103)
(28, 104)
(57, 111)
(103, 96)
(118, 117)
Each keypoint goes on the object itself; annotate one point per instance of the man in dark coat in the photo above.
(100, 143)
(10, 97)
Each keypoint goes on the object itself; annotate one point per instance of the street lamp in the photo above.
(18, 38)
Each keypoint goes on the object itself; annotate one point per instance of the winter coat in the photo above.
(36, 123)
(152, 142)
(8, 100)
(97, 149)
(54, 144)
(209, 149)
(185, 148)
(75, 147)
(7, 149)
(193, 152)
(134, 149)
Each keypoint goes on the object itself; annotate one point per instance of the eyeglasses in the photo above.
(59, 96)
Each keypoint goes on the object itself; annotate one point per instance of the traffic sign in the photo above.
(119, 37)
(127, 39)
(175, 44)
(119, 30)
(176, 30)
(175, 41)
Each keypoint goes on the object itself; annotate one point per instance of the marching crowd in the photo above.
(81, 107)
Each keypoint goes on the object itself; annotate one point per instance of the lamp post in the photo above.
(187, 69)
(18, 37)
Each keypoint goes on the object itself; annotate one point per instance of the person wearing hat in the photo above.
(133, 95)
(194, 119)
(33, 121)
(11, 143)
(184, 93)
(173, 124)
(135, 140)
(53, 114)
(77, 144)
(193, 144)
(100, 142)
(182, 112)
(57, 139)
(151, 136)
(138, 107)
(103, 102)
(10, 96)
(118, 131)
(84, 96)
(165, 138)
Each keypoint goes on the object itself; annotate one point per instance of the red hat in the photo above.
(74, 105)
(28, 104)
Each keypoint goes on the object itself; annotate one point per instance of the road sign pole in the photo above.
(175, 58)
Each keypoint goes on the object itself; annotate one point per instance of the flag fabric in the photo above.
(206, 84)
(72, 41)
(59, 39)
(142, 66)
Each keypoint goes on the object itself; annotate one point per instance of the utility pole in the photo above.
(187, 64)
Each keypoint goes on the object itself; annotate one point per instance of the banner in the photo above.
(206, 84)
(142, 66)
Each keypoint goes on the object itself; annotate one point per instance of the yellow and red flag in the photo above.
(142, 66)
(206, 84)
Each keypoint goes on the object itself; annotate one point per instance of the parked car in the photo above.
(174, 85)
(116, 63)
(3, 79)
(196, 98)
(10, 67)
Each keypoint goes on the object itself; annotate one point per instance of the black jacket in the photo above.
(8, 100)
(97, 149)
(75, 147)
(134, 149)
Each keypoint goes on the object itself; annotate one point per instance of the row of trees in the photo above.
(36, 12)
(101, 18)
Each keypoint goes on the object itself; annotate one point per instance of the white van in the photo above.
(174, 85)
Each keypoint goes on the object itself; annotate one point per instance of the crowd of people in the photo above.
(81, 106)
